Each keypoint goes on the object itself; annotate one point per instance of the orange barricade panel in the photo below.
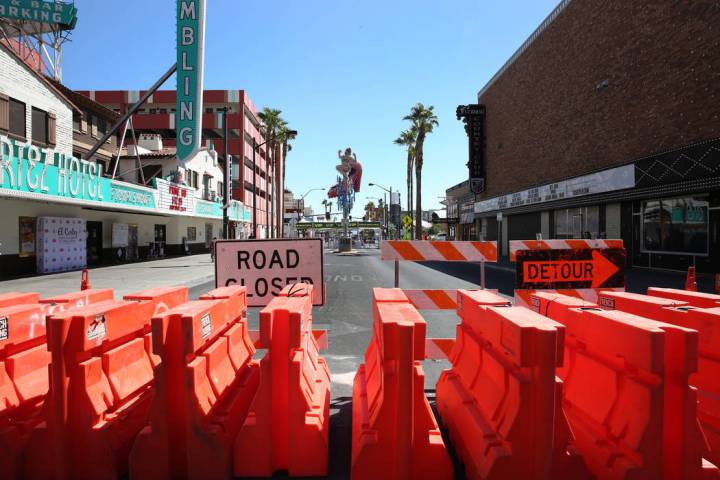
(287, 426)
(11, 299)
(60, 303)
(204, 385)
(626, 394)
(394, 432)
(499, 400)
(636, 303)
(696, 299)
(100, 386)
(707, 379)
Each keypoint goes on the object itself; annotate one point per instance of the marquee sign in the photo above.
(64, 14)
(190, 65)
(473, 116)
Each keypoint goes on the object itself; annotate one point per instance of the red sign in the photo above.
(563, 269)
(266, 266)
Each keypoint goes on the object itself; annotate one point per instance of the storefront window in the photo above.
(583, 222)
(678, 225)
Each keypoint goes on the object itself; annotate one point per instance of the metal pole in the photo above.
(254, 232)
(228, 175)
(387, 229)
(482, 275)
(397, 273)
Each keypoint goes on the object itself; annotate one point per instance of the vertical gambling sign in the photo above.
(266, 266)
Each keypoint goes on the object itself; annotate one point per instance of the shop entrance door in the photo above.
(208, 235)
(160, 240)
(132, 254)
(94, 243)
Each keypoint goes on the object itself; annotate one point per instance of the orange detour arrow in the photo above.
(596, 270)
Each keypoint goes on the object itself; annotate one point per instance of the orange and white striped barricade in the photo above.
(577, 268)
(425, 250)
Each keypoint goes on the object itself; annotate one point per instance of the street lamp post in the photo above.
(228, 176)
(387, 223)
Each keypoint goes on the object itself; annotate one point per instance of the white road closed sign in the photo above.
(266, 266)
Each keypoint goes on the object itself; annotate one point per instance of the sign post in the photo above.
(265, 267)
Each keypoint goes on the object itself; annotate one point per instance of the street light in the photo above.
(387, 224)
(311, 190)
(255, 147)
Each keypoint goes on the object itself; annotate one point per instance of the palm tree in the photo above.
(272, 125)
(370, 210)
(408, 138)
(284, 138)
(423, 120)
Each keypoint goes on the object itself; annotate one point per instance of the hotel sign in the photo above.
(190, 63)
(39, 11)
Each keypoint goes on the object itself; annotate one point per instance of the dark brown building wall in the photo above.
(546, 120)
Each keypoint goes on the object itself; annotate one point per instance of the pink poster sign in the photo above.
(265, 267)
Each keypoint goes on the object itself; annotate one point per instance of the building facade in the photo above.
(606, 124)
(157, 116)
(61, 211)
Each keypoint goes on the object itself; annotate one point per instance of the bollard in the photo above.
(717, 283)
(691, 280)
(85, 280)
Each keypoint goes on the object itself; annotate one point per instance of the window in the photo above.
(153, 111)
(163, 111)
(191, 234)
(209, 110)
(583, 222)
(675, 225)
(101, 126)
(39, 126)
(77, 121)
(18, 121)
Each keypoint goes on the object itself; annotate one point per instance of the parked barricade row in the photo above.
(626, 396)
(287, 426)
(707, 378)
(24, 360)
(500, 399)
(203, 389)
(394, 432)
(696, 299)
(100, 387)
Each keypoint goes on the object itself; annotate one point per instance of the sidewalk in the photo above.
(133, 277)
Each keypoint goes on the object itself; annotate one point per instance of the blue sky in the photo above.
(343, 72)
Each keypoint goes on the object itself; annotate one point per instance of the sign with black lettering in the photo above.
(473, 116)
(4, 328)
(265, 267)
(570, 269)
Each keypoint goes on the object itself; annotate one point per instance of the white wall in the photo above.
(18, 82)
(176, 227)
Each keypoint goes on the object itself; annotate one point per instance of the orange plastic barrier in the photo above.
(637, 303)
(14, 298)
(500, 400)
(100, 388)
(552, 304)
(24, 359)
(203, 389)
(691, 280)
(287, 425)
(394, 433)
(696, 299)
(82, 298)
(627, 397)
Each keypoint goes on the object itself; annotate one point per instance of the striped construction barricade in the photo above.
(100, 387)
(394, 432)
(627, 395)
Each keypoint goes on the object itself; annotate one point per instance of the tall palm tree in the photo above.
(272, 125)
(370, 211)
(407, 139)
(424, 121)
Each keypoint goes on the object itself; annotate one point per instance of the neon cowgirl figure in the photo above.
(350, 168)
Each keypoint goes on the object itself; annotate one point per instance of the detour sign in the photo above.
(570, 269)
(266, 266)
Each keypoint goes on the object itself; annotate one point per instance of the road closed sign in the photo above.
(570, 269)
(266, 266)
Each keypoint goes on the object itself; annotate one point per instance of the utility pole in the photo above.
(228, 176)
(254, 232)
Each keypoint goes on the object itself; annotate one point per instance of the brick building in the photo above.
(158, 117)
(606, 123)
